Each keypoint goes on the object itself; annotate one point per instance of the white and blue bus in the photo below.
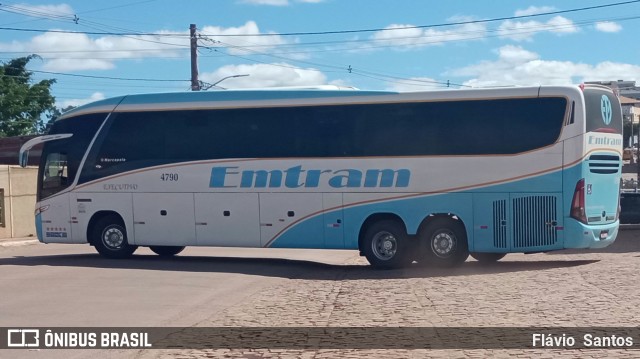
(426, 176)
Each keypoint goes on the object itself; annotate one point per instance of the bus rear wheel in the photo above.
(487, 257)
(443, 242)
(109, 237)
(386, 245)
(166, 251)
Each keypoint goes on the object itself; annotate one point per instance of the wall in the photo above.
(19, 186)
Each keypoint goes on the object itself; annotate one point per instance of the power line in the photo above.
(334, 68)
(429, 39)
(98, 32)
(117, 6)
(350, 70)
(334, 32)
(21, 10)
(99, 77)
(109, 77)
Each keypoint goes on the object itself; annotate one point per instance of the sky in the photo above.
(98, 49)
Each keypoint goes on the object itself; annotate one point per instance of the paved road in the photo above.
(68, 285)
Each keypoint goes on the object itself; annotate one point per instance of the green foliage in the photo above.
(23, 104)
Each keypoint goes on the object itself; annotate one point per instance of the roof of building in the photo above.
(628, 101)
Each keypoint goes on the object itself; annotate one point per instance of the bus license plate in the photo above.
(603, 234)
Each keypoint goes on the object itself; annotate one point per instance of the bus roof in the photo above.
(198, 99)
(271, 97)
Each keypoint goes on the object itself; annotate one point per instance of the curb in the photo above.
(16, 242)
(629, 227)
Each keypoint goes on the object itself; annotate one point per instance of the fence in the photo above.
(17, 201)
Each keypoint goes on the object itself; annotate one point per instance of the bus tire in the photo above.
(166, 251)
(386, 245)
(109, 237)
(443, 242)
(487, 257)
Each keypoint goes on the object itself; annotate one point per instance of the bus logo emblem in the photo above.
(605, 108)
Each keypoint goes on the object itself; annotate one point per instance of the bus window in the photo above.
(61, 159)
(603, 108)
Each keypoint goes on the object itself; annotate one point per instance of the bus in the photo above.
(427, 177)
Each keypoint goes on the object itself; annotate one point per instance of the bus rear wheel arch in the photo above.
(443, 241)
(385, 243)
(166, 251)
(109, 236)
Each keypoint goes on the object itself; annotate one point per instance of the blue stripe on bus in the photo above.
(310, 232)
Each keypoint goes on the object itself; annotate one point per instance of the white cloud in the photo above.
(44, 11)
(74, 51)
(516, 66)
(240, 44)
(526, 30)
(264, 75)
(96, 96)
(561, 25)
(608, 26)
(416, 84)
(407, 36)
(534, 10)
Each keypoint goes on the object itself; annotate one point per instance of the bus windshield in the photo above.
(61, 158)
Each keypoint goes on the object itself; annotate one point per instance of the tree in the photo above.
(23, 104)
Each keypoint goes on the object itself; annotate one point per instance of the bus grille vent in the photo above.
(534, 221)
(604, 164)
(500, 224)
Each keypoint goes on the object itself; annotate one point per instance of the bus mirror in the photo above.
(24, 158)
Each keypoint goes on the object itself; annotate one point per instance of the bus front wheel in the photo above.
(109, 237)
(487, 257)
(444, 242)
(386, 245)
(166, 251)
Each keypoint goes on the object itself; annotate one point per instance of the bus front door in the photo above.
(55, 220)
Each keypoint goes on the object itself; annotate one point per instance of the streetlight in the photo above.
(208, 86)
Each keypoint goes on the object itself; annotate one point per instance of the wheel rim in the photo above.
(384, 245)
(443, 243)
(113, 237)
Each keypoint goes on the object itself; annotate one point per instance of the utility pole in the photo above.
(195, 83)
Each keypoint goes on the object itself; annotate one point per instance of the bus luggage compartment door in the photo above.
(292, 220)
(164, 219)
(227, 219)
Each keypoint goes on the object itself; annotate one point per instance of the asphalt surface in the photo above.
(70, 285)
